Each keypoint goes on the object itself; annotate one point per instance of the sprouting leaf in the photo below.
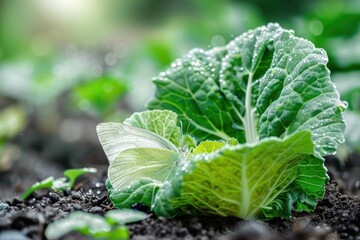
(44, 184)
(124, 216)
(82, 222)
(266, 82)
(246, 180)
(119, 233)
(59, 184)
(73, 174)
(95, 226)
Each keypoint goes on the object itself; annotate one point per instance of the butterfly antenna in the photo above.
(188, 127)
(181, 134)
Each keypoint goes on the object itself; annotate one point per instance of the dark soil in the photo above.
(337, 216)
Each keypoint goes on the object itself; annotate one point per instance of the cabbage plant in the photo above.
(264, 112)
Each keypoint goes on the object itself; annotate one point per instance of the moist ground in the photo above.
(337, 216)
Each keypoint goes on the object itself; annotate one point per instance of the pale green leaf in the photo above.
(208, 147)
(242, 180)
(161, 122)
(212, 146)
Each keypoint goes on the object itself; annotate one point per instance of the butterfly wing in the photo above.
(117, 137)
(133, 164)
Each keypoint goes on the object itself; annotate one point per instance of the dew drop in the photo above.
(316, 28)
(120, 50)
(70, 49)
(110, 59)
(217, 41)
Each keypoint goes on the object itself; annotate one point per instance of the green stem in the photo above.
(249, 120)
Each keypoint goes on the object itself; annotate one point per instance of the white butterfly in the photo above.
(135, 153)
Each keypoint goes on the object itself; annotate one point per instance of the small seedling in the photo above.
(59, 184)
(111, 227)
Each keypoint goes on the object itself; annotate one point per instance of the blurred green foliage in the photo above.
(12, 122)
(348, 85)
(93, 59)
(101, 96)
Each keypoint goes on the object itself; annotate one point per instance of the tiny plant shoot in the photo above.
(111, 227)
(264, 112)
(59, 184)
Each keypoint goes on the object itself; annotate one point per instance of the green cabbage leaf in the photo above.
(264, 112)
(266, 82)
(247, 181)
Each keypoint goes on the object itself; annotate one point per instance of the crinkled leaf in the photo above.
(267, 82)
(242, 180)
(161, 122)
(284, 204)
(303, 193)
(142, 191)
